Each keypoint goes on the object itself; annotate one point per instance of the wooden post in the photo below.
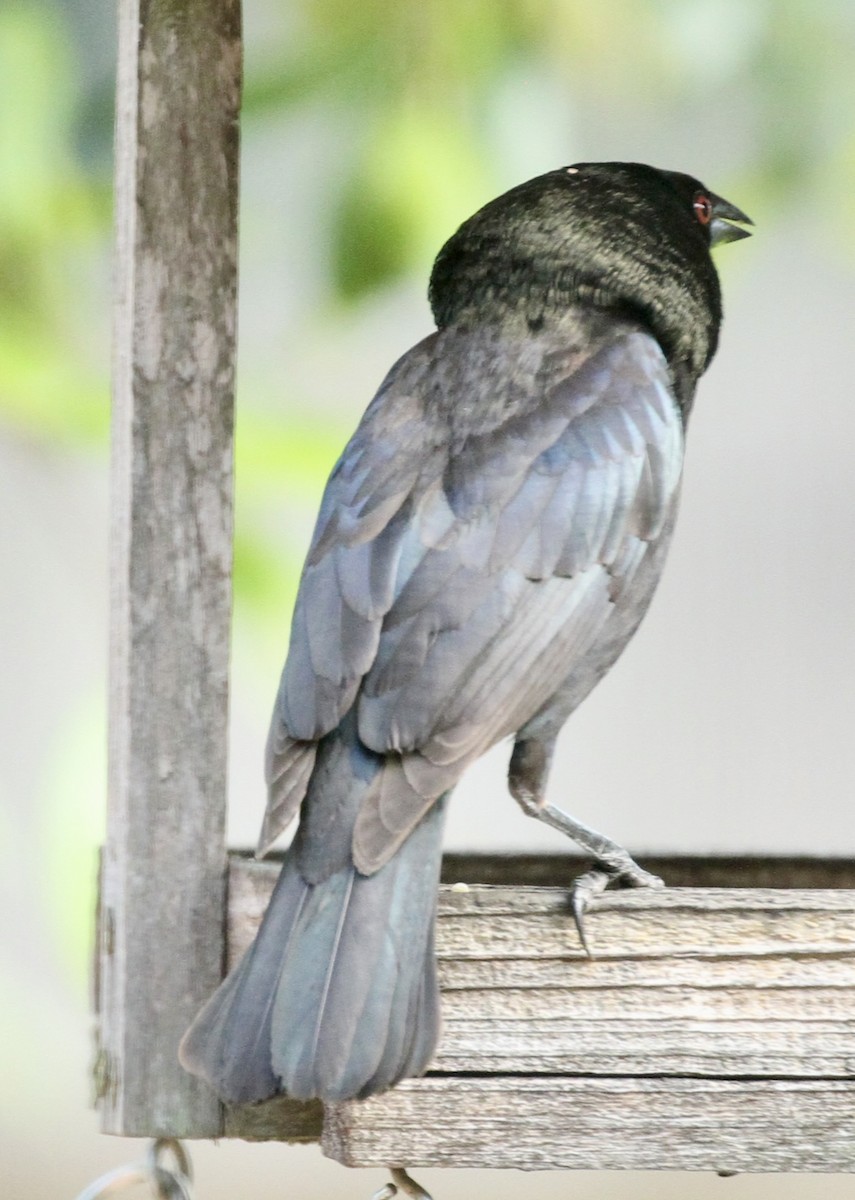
(161, 936)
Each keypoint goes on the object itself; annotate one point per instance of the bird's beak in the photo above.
(721, 230)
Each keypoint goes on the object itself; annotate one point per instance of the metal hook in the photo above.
(166, 1183)
(403, 1182)
(175, 1184)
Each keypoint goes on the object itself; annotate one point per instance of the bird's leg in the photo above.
(527, 778)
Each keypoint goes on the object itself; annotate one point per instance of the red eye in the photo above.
(703, 208)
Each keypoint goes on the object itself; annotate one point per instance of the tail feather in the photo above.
(343, 1023)
(409, 1052)
(337, 997)
(229, 1041)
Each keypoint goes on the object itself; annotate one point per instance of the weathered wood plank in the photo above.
(252, 881)
(717, 983)
(711, 982)
(678, 870)
(600, 1124)
(278, 1120)
(174, 344)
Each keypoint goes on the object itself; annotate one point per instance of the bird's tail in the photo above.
(337, 996)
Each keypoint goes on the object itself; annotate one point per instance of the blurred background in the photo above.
(370, 132)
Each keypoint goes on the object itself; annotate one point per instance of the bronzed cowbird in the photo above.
(486, 546)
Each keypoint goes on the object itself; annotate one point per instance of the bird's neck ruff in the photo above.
(522, 296)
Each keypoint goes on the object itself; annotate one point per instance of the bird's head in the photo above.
(624, 237)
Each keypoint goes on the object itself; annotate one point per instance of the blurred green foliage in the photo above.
(429, 100)
(437, 104)
(53, 221)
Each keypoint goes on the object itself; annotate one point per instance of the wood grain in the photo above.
(582, 1123)
(161, 929)
(280, 1120)
(715, 982)
(711, 1029)
(678, 870)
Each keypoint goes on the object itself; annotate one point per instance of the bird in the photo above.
(486, 546)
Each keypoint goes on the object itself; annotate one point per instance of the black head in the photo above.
(624, 237)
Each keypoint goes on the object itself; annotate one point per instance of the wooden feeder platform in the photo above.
(713, 1027)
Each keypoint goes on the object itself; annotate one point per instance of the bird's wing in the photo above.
(550, 514)
(348, 580)
(450, 589)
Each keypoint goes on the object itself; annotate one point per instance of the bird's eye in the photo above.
(703, 208)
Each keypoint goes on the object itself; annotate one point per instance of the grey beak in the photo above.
(721, 230)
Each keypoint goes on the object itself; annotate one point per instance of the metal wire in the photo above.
(166, 1183)
(175, 1182)
(402, 1182)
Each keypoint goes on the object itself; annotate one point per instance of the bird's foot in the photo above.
(612, 864)
(615, 868)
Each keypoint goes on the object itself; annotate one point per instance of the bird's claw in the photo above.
(623, 872)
